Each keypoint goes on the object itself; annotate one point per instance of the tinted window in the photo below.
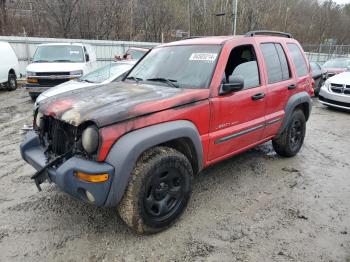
(272, 62)
(298, 60)
(283, 61)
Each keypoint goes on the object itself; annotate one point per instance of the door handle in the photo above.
(291, 87)
(258, 96)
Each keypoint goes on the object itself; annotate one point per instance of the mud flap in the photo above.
(42, 175)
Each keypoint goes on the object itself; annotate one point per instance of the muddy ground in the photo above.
(253, 207)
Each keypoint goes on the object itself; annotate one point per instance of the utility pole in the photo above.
(131, 18)
(234, 16)
(189, 18)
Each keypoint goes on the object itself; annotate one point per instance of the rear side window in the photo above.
(276, 62)
(284, 63)
(298, 60)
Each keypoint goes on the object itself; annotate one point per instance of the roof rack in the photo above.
(266, 32)
(192, 37)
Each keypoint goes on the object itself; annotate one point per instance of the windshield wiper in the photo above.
(88, 81)
(137, 79)
(40, 61)
(62, 60)
(170, 82)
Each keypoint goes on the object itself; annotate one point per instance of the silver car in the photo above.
(101, 76)
(336, 91)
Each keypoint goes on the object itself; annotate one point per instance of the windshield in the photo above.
(59, 53)
(189, 66)
(336, 64)
(136, 54)
(314, 66)
(103, 73)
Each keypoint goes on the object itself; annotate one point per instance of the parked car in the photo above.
(336, 91)
(136, 144)
(104, 75)
(9, 68)
(133, 53)
(319, 75)
(56, 63)
(336, 66)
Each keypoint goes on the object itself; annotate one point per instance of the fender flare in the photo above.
(126, 151)
(293, 102)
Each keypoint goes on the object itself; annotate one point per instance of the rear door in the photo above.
(237, 119)
(302, 70)
(279, 84)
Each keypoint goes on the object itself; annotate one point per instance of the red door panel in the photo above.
(237, 122)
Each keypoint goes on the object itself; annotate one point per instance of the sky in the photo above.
(343, 1)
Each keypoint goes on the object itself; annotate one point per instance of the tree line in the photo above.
(310, 21)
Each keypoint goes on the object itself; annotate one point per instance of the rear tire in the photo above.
(33, 96)
(12, 82)
(158, 191)
(289, 143)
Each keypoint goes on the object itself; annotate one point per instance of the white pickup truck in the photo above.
(56, 63)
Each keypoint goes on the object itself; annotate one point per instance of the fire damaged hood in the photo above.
(115, 102)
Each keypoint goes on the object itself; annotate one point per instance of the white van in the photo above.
(56, 63)
(9, 68)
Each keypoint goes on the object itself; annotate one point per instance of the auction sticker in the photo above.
(210, 57)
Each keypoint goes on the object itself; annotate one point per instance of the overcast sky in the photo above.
(343, 1)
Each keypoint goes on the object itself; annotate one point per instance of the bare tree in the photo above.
(62, 13)
(310, 21)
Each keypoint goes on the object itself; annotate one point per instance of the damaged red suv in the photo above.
(186, 105)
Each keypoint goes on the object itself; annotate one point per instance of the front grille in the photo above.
(58, 137)
(334, 102)
(52, 73)
(51, 82)
(340, 89)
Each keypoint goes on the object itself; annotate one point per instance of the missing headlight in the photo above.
(90, 139)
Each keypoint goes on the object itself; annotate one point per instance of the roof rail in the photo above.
(266, 32)
(192, 37)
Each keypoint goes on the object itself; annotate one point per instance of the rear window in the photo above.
(298, 59)
(276, 62)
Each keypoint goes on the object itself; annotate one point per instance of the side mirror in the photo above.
(87, 57)
(236, 83)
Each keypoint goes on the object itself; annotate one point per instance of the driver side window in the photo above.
(242, 63)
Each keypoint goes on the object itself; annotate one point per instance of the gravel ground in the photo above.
(253, 207)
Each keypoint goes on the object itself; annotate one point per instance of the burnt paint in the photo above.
(116, 102)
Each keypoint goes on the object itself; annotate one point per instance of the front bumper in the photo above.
(63, 175)
(330, 98)
(36, 88)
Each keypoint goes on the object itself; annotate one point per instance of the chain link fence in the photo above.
(322, 53)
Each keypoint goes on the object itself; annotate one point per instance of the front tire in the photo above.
(33, 96)
(12, 82)
(158, 191)
(289, 143)
(317, 89)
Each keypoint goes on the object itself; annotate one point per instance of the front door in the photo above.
(238, 118)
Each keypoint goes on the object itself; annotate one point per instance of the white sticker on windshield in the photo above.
(203, 57)
(74, 52)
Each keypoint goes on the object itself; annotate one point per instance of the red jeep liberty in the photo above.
(137, 144)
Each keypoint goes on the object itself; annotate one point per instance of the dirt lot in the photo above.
(253, 207)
